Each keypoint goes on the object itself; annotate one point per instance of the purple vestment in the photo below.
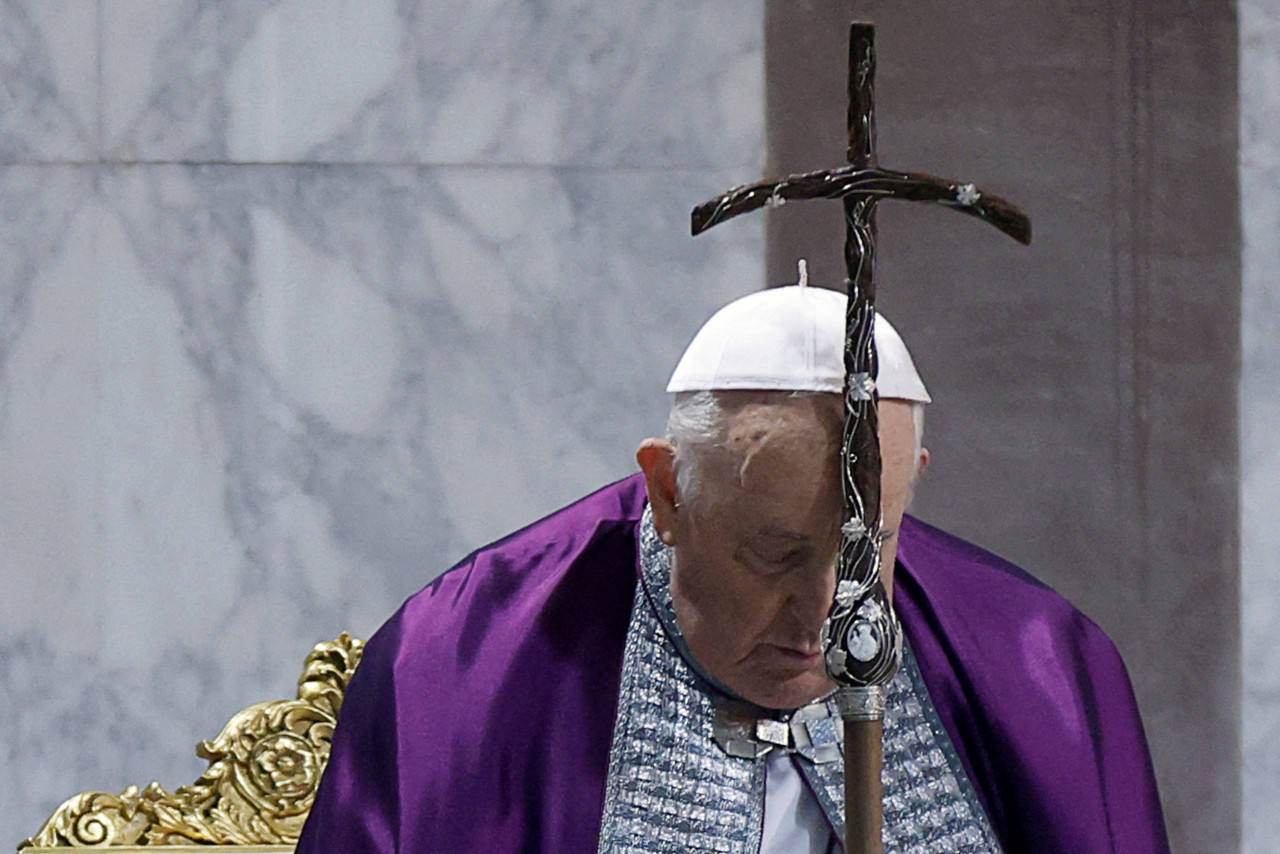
(480, 717)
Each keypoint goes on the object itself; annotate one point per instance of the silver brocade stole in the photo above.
(672, 789)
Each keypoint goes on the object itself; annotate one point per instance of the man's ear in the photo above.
(657, 459)
(922, 461)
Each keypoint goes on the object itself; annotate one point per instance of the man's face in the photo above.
(755, 552)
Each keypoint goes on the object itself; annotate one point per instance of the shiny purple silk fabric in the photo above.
(1035, 698)
(481, 715)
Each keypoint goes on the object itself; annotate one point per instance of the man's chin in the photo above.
(788, 693)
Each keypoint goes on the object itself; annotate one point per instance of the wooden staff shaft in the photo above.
(863, 814)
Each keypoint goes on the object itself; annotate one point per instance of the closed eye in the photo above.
(776, 563)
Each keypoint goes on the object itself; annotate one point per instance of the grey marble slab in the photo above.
(1260, 413)
(452, 81)
(49, 71)
(299, 303)
(246, 408)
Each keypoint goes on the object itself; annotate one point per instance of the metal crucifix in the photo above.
(862, 639)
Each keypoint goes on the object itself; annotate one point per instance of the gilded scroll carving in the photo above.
(263, 771)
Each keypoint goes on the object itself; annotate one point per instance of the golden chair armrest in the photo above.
(182, 849)
(264, 768)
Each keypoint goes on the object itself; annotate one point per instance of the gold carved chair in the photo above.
(263, 771)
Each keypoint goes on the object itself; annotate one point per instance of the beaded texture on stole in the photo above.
(672, 789)
(930, 805)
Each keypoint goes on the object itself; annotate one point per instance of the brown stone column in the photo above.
(1084, 422)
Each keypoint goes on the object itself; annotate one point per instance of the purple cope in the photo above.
(480, 717)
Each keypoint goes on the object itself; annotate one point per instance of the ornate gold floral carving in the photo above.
(263, 771)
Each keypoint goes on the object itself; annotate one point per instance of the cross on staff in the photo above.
(862, 639)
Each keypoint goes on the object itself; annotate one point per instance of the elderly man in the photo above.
(642, 672)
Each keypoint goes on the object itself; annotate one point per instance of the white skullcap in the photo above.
(789, 339)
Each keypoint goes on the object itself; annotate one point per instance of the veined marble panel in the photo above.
(301, 301)
(1260, 413)
(49, 73)
(639, 84)
(244, 408)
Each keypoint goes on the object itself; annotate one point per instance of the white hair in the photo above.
(696, 423)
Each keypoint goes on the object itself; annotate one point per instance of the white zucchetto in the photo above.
(789, 339)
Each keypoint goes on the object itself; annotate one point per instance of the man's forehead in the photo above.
(769, 490)
(752, 414)
(771, 444)
(778, 524)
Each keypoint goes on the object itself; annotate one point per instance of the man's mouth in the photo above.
(800, 655)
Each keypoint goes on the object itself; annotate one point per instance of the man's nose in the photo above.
(811, 597)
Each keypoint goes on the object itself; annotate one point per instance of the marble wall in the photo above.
(1260, 413)
(302, 301)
